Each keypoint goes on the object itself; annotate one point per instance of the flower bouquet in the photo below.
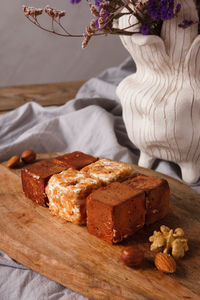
(149, 16)
(161, 101)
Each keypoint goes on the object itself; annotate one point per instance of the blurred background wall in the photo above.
(29, 55)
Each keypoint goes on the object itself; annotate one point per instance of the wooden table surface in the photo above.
(44, 94)
(90, 266)
(69, 255)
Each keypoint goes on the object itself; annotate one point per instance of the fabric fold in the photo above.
(92, 123)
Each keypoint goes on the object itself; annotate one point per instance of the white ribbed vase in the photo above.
(161, 101)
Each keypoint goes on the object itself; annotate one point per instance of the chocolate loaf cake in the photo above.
(157, 195)
(75, 160)
(115, 212)
(35, 178)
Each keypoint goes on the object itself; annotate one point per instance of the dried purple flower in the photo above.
(186, 23)
(162, 10)
(145, 29)
(178, 7)
(74, 1)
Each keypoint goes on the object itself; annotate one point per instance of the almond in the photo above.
(165, 262)
(13, 161)
(28, 156)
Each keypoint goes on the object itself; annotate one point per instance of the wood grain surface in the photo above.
(69, 255)
(45, 94)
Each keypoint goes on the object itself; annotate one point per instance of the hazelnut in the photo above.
(28, 156)
(165, 262)
(132, 256)
(13, 161)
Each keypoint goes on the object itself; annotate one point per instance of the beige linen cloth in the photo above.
(92, 123)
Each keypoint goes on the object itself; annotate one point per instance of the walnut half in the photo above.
(171, 240)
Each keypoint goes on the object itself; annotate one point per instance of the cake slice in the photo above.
(75, 160)
(115, 212)
(35, 178)
(67, 194)
(157, 195)
(108, 171)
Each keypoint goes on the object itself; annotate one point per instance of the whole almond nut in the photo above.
(28, 156)
(165, 262)
(132, 256)
(13, 161)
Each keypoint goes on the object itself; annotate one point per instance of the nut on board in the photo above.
(132, 256)
(28, 156)
(13, 161)
(172, 241)
(164, 262)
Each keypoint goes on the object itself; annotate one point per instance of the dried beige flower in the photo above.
(32, 11)
(94, 11)
(54, 13)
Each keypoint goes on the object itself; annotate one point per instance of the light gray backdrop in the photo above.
(30, 55)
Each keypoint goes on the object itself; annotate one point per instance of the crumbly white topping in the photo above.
(108, 170)
(67, 192)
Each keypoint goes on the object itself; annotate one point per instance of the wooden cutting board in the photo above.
(69, 255)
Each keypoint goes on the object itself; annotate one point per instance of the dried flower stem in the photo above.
(106, 12)
(31, 15)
